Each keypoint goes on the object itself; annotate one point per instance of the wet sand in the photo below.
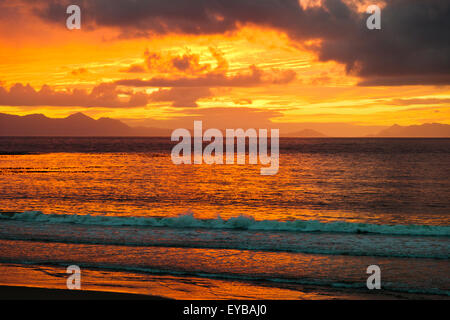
(32, 293)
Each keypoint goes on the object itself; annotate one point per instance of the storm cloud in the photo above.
(411, 48)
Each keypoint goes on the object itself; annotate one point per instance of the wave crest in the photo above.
(239, 223)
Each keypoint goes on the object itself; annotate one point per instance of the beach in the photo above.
(134, 223)
(225, 150)
(33, 293)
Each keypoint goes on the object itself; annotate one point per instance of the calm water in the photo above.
(335, 207)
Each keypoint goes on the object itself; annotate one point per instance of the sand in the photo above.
(32, 293)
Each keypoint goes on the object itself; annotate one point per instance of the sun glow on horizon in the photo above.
(255, 67)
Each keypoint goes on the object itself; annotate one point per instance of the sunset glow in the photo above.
(239, 150)
(255, 67)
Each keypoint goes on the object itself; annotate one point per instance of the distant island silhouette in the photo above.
(427, 130)
(79, 124)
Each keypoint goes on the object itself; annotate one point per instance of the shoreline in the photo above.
(37, 293)
(12, 292)
(48, 282)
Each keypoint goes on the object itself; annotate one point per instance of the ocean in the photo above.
(135, 222)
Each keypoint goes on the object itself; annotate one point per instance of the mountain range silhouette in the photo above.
(79, 124)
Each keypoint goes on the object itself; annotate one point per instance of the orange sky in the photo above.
(252, 67)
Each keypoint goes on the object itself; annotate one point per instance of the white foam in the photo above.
(240, 222)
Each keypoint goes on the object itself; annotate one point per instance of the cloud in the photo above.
(105, 95)
(411, 48)
(79, 71)
(414, 101)
(181, 97)
(253, 77)
(186, 71)
(189, 63)
(176, 64)
(186, 63)
(182, 79)
(134, 68)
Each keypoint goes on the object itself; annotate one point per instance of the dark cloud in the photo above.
(189, 63)
(412, 47)
(104, 95)
(205, 16)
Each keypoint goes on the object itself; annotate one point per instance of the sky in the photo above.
(231, 63)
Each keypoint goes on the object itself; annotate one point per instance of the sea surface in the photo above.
(135, 222)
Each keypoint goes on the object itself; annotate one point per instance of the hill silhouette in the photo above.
(77, 124)
(427, 130)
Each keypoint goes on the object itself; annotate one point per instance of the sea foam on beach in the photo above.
(240, 223)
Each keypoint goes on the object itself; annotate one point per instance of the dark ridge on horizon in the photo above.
(81, 125)
(426, 130)
(75, 125)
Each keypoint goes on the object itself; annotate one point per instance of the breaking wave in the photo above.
(239, 223)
